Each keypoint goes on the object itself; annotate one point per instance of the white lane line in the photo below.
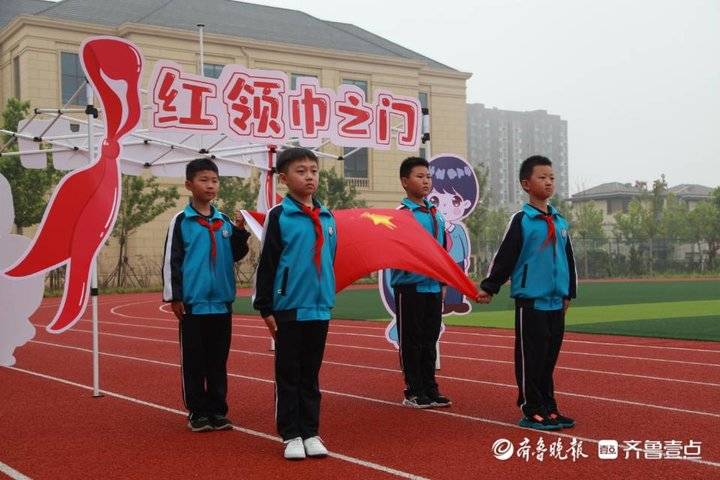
(341, 394)
(574, 369)
(611, 344)
(447, 331)
(506, 385)
(12, 473)
(255, 433)
(564, 352)
(101, 303)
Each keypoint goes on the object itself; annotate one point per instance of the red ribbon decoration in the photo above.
(83, 208)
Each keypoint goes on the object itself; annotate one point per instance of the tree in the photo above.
(713, 229)
(142, 200)
(237, 193)
(629, 226)
(674, 220)
(642, 222)
(335, 193)
(653, 225)
(30, 187)
(587, 225)
(704, 226)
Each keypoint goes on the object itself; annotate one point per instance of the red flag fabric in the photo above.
(372, 239)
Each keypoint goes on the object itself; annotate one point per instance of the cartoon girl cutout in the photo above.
(19, 297)
(455, 194)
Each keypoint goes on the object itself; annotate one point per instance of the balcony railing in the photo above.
(358, 182)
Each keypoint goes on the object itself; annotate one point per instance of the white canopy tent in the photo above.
(72, 142)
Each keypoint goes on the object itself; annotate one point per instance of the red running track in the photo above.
(619, 388)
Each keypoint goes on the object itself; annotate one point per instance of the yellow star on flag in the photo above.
(384, 220)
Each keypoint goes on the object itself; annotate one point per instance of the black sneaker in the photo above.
(417, 401)
(539, 422)
(220, 422)
(563, 421)
(199, 424)
(439, 400)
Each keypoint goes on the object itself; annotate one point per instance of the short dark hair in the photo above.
(411, 162)
(286, 157)
(526, 169)
(198, 165)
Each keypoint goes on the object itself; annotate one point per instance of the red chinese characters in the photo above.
(387, 107)
(255, 105)
(355, 117)
(181, 101)
(310, 110)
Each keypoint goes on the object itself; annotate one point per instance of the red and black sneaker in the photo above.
(563, 421)
(539, 422)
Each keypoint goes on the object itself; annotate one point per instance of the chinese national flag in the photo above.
(372, 239)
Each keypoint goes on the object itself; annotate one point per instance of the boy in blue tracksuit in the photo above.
(295, 293)
(201, 248)
(418, 299)
(537, 255)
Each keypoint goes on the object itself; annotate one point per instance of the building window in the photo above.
(72, 76)
(212, 70)
(16, 77)
(423, 97)
(356, 165)
(294, 78)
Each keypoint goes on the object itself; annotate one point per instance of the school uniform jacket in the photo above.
(542, 272)
(288, 284)
(436, 227)
(189, 273)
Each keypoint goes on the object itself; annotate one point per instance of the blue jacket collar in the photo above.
(191, 212)
(532, 211)
(290, 205)
(414, 206)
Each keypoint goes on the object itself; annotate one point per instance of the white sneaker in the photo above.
(294, 449)
(314, 447)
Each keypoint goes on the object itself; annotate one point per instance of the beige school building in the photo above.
(39, 43)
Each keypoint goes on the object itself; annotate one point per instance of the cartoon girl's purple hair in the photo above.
(453, 175)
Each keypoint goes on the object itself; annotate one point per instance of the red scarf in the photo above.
(551, 236)
(212, 228)
(431, 211)
(314, 214)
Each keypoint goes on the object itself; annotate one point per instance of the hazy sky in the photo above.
(638, 81)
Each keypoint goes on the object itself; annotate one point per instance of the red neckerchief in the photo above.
(314, 214)
(432, 210)
(212, 228)
(551, 235)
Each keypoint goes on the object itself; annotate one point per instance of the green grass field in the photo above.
(664, 309)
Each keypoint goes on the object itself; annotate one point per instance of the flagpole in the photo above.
(428, 155)
(201, 31)
(270, 200)
(90, 111)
